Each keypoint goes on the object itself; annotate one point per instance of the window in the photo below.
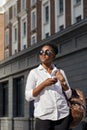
(78, 1)
(60, 6)
(31, 109)
(24, 28)
(46, 30)
(77, 11)
(14, 10)
(31, 115)
(15, 33)
(6, 53)
(6, 38)
(18, 97)
(6, 18)
(15, 38)
(78, 19)
(33, 20)
(23, 32)
(23, 4)
(4, 99)
(33, 2)
(46, 14)
(33, 39)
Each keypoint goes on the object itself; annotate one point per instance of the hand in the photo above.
(40, 87)
(60, 76)
(62, 80)
(50, 81)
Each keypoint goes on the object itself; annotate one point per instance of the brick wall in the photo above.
(68, 12)
(28, 23)
(1, 37)
(39, 21)
(85, 8)
(52, 16)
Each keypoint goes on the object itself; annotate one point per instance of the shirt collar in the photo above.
(40, 67)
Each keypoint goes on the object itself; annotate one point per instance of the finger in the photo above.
(55, 80)
(59, 72)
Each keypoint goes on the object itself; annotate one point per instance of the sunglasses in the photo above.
(46, 52)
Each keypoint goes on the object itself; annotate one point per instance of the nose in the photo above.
(44, 53)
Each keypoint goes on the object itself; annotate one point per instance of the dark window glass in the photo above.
(31, 109)
(18, 97)
(24, 28)
(4, 99)
(78, 1)
(60, 6)
(46, 14)
(15, 34)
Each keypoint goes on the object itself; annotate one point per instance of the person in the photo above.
(45, 85)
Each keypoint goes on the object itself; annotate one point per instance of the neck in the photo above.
(48, 67)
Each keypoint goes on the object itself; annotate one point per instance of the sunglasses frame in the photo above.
(46, 52)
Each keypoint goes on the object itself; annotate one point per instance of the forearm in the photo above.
(38, 89)
(65, 87)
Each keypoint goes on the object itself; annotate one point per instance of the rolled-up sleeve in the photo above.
(68, 93)
(30, 85)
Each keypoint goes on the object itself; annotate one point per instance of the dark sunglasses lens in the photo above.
(47, 52)
(40, 52)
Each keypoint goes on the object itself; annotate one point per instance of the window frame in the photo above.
(7, 38)
(33, 38)
(15, 33)
(33, 2)
(33, 19)
(14, 10)
(24, 28)
(6, 17)
(23, 4)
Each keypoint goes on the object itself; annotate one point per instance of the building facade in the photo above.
(28, 25)
(1, 34)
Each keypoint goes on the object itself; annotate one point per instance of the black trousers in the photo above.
(62, 124)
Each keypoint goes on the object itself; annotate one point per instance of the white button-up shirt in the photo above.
(50, 103)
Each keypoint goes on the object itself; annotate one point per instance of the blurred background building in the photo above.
(25, 25)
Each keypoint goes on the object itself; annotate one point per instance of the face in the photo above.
(46, 54)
